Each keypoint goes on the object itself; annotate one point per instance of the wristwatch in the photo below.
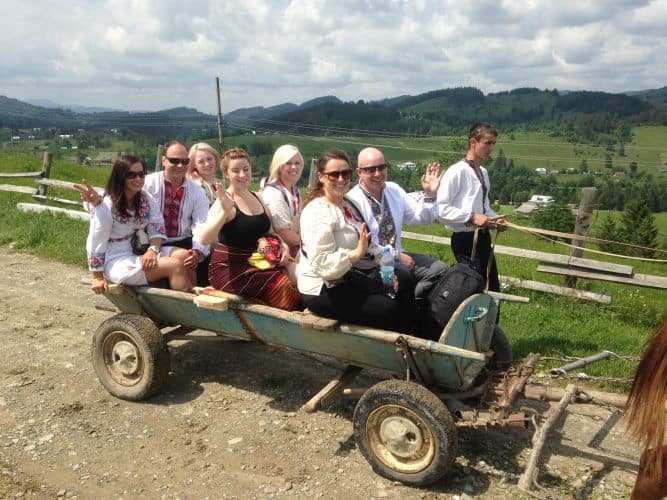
(155, 248)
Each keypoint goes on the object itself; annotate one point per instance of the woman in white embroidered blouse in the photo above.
(282, 197)
(334, 240)
(126, 208)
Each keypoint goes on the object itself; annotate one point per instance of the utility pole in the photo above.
(220, 141)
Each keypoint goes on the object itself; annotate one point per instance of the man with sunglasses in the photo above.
(184, 206)
(386, 207)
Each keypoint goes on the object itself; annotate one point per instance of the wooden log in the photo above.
(17, 189)
(508, 297)
(18, 175)
(557, 289)
(33, 207)
(646, 280)
(56, 183)
(45, 173)
(534, 255)
(529, 477)
(582, 224)
(331, 388)
(63, 201)
(539, 392)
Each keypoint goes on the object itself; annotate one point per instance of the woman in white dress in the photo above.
(126, 208)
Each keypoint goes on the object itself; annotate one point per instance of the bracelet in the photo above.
(97, 280)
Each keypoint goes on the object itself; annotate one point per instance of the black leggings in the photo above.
(349, 304)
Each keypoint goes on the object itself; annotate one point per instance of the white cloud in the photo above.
(150, 54)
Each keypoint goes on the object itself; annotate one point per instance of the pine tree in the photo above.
(608, 230)
(638, 224)
(556, 217)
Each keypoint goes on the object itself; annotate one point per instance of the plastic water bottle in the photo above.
(387, 270)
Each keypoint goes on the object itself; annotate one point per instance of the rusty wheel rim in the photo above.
(400, 438)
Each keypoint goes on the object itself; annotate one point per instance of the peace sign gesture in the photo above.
(88, 193)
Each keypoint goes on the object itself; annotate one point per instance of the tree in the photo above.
(556, 217)
(633, 167)
(583, 166)
(607, 161)
(639, 227)
(609, 230)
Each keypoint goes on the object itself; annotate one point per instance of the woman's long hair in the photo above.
(330, 154)
(115, 187)
(645, 408)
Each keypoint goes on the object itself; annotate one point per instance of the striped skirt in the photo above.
(229, 271)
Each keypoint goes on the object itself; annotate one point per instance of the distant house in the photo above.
(408, 165)
(16, 138)
(541, 171)
(620, 173)
(541, 200)
(554, 172)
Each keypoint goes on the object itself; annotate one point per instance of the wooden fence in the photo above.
(549, 262)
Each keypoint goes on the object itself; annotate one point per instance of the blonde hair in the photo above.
(282, 155)
(201, 146)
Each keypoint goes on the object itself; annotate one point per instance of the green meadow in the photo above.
(549, 324)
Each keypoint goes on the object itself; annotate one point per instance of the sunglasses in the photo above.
(334, 176)
(133, 175)
(372, 170)
(176, 161)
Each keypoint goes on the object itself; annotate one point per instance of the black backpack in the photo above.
(458, 283)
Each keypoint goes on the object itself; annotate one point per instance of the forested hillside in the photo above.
(581, 116)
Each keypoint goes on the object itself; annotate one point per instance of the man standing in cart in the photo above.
(463, 203)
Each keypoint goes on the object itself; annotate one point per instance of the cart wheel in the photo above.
(130, 357)
(405, 432)
(502, 351)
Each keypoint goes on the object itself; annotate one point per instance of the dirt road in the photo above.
(228, 424)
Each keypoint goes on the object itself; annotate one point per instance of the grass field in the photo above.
(549, 324)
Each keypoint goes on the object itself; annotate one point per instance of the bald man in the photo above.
(385, 207)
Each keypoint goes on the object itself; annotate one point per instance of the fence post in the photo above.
(312, 178)
(45, 173)
(581, 226)
(158, 158)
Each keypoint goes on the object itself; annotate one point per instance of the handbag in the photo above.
(139, 242)
(367, 280)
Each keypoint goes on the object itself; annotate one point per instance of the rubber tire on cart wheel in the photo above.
(502, 351)
(130, 357)
(405, 432)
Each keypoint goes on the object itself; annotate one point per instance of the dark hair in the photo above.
(328, 155)
(479, 129)
(115, 187)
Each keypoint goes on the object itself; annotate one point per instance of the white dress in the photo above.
(108, 244)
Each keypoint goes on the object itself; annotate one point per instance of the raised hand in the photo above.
(88, 193)
(431, 179)
(223, 196)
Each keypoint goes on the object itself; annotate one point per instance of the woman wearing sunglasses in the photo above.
(236, 222)
(335, 271)
(126, 208)
(204, 160)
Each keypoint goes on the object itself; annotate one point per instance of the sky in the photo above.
(154, 55)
